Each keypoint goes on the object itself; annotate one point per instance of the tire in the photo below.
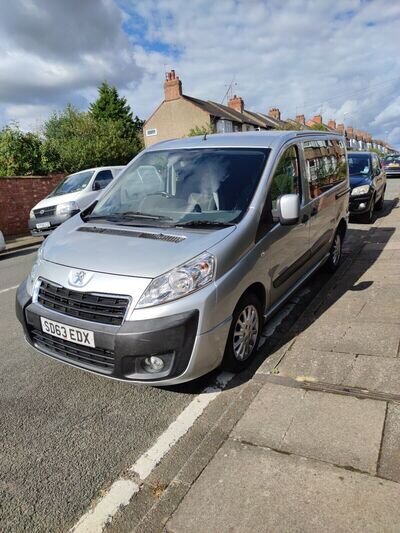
(368, 218)
(247, 318)
(380, 202)
(335, 253)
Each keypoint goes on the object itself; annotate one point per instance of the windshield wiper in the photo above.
(200, 223)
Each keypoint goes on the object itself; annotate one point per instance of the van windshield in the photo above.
(192, 187)
(73, 183)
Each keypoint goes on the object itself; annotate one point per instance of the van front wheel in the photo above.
(244, 334)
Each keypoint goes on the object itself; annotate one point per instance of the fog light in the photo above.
(362, 206)
(153, 364)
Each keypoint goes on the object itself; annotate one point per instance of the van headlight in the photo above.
(66, 208)
(179, 282)
(358, 191)
(31, 214)
(32, 278)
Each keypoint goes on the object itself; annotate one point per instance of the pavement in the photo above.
(318, 448)
(306, 439)
(14, 244)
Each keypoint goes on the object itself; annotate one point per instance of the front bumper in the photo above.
(120, 350)
(359, 205)
(53, 220)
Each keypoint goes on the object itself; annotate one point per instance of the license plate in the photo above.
(68, 333)
(42, 225)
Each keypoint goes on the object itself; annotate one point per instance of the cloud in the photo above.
(54, 52)
(303, 56)
(339, 57)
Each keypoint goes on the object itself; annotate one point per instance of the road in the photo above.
(65, 435)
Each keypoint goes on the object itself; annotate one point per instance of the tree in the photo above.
(319, 127)
(110, 106)
(20, 152)
(201, 130)
(75, 140)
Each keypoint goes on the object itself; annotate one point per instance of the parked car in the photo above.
(174, 270)
(368, 184)
(391, 164)
(2, 242)
(74, 193)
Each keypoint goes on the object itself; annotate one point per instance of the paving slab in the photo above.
(370, 338)
(248, 488)
(314, 365)
(387, 311)
(376, 374)
(342, 430)
(322, 336)
(390, 456)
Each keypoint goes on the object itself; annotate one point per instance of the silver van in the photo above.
(175, 269)
(74, 193)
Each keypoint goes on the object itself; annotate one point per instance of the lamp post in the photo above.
(344, 127)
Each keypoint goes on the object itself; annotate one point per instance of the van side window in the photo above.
(325, 165)
(103, 178)
(286, 180)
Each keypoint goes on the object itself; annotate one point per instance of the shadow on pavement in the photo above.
(300, 317)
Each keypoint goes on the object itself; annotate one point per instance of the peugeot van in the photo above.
(72, 194)
(176, 267)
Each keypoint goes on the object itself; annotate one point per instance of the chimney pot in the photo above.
(301, 119)
(332, 124)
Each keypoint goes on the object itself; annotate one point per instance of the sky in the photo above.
(336, 57)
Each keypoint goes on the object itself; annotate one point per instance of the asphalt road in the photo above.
(65, 435)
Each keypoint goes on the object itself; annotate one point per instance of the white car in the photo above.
(2, 242)
(73, 194)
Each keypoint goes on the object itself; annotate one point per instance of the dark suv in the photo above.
(368, 184)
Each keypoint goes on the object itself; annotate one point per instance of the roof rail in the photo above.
(308, 132)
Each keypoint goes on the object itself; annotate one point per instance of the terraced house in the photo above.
(179, 115)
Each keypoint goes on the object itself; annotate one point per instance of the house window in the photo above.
(224, 126)
(151, 132)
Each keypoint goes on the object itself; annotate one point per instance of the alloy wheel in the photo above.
(246, 333)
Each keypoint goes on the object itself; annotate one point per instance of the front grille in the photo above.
(102, 359)
(45, 211)
(87, 306)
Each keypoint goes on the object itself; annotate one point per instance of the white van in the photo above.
(74, 193)
(2, 242)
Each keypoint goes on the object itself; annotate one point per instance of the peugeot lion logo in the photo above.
(79, 278)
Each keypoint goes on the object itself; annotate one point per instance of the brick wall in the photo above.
(17, 197)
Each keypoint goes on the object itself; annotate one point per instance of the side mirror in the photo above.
(289, 209)
(377, 171)
(97, 186)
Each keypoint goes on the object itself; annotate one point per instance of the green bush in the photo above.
(20, 152)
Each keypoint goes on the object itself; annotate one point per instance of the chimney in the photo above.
(172, 86)
(350, 131)
(236, 103)
(274, 113)
(301, 119)
(317, 119)
(332, 124)
(340, 128)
